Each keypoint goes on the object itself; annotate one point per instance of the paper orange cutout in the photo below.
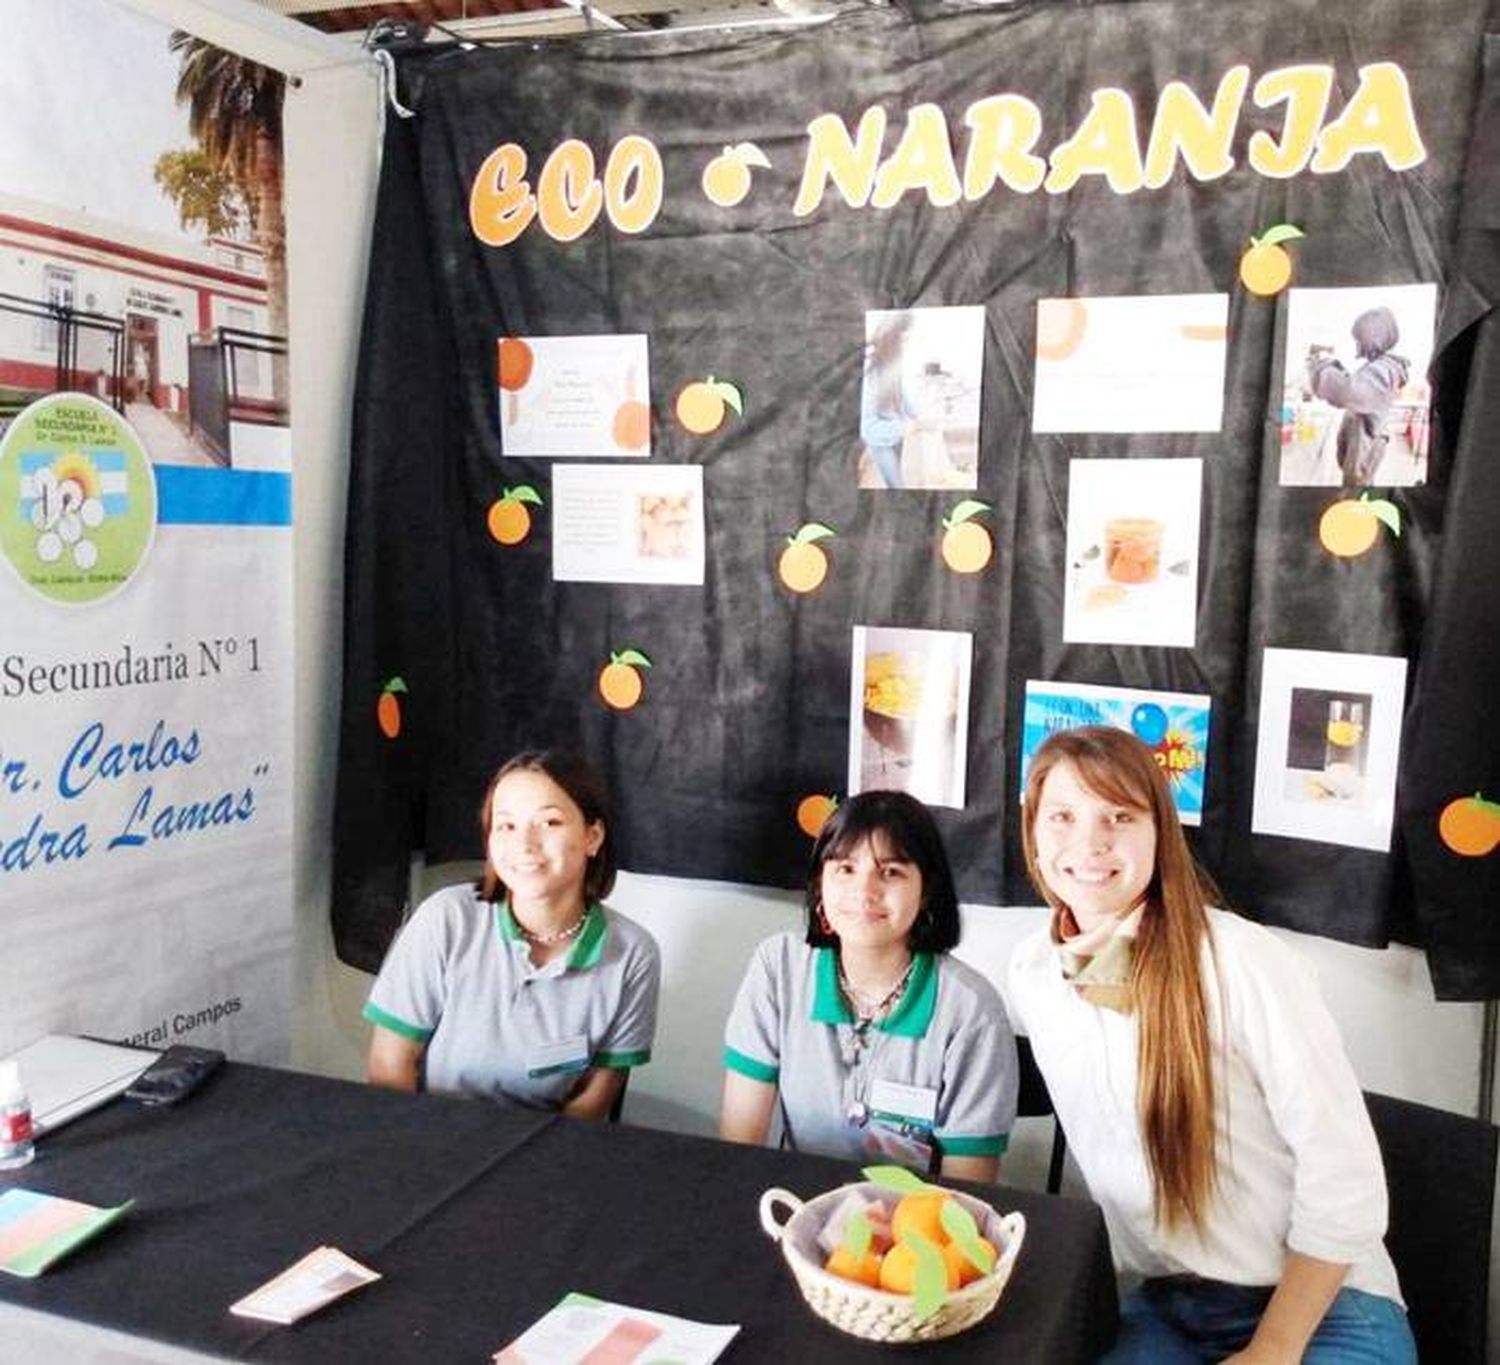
(1350, 526)
(1470, 826)
(966, 544)
(701, 405)
(388, 708)
(620, 681)
(1266, 268)
(803, 566)
(508, 520)
(726, 179)
(813, 811)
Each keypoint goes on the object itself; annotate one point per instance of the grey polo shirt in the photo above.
(946, 1049)
(460, 979)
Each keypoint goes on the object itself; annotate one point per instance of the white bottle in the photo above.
(16, 1145)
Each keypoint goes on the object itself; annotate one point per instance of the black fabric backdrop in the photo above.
(746, 709)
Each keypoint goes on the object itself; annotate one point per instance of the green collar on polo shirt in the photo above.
(588, 947)
(913, 1012)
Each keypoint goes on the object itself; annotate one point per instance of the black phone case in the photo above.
(174, 1075)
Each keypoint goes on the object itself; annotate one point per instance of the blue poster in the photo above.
(1173, 725)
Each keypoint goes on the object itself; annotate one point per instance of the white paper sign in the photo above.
(627, 523)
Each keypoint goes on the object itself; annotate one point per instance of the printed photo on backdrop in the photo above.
(1147, 363)
(1330, 730)
(1173, 725)
(919, 399)
(909, 703)
(1132, 556)
(627, 523)
(587, 396)
(1355, 397)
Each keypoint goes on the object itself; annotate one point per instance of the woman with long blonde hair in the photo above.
(1201, 1082)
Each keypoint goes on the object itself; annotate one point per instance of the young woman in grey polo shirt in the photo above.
(877, 1043)
(524, 988)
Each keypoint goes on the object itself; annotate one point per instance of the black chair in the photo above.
(1035, 1102)
(1440, 1170)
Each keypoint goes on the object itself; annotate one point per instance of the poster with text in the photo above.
(145, 548)
(627, 523)
(909, 704)
(584, 396)
(1330, 732)
(1173, 725)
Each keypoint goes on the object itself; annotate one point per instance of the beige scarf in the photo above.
(1098, 961)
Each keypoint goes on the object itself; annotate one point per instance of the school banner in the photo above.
(778, 413)
(145, 555)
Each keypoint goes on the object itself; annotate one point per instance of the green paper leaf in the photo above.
(396, 684)
(522, 493)
(930, 1282)
(899, 1179)
(729, 394)
(1274, 236)
(858, 1234)
(967, 509)
(630, 656)
(959, 1224)
(1388, 513)
(812, 530)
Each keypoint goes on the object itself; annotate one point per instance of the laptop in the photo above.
(67, 1077)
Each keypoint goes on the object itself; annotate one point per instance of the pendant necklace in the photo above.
(852, 1047)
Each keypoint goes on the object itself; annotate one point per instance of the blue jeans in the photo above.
(887, 461)
(1192, 1321)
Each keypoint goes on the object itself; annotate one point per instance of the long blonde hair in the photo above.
(1175, 1086)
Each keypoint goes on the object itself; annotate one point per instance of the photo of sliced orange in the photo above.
(620, 681)
(803, 566)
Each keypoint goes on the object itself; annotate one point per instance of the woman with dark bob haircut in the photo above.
(448, 1006)
(874, 1040)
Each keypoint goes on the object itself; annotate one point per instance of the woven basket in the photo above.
(876, 1314)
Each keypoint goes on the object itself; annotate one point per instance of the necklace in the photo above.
(558, 936)
(866, 1008)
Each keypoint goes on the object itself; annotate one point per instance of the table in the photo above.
(479, 1218)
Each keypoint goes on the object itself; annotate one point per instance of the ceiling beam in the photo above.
(250, 30)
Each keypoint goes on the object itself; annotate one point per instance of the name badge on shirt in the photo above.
(906, 1101)
(566, 1054)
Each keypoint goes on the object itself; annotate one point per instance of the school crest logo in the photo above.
(77, 499)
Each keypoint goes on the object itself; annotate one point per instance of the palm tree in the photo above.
(234, 111)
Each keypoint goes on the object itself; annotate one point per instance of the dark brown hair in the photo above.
(906, 826)
(1175, 1087)
(586, 789)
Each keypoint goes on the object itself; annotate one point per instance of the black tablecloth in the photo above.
(480, 1219)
